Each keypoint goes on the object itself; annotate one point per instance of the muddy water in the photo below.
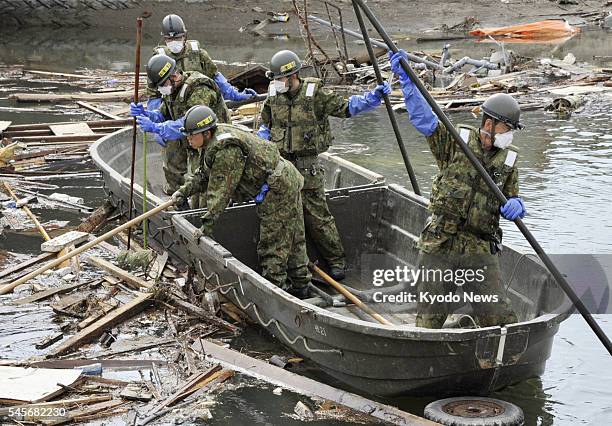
(565, 181)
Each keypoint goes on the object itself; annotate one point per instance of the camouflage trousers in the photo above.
(484, 289)
(282, 243)
(319, 223)
(174, 157)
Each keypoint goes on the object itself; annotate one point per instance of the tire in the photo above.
(474, 411)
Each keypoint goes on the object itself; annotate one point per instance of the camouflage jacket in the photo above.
(299, 124)
(460, 199)
(234, 165)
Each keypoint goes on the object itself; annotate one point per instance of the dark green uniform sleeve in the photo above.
(266, 114)
(329, 103)
(442, 146)
(225, 174)
(194, 183)
(208, 66)
(511, 188)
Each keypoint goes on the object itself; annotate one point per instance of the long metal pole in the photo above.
(134, 127)
(392, 118)
(490, 183)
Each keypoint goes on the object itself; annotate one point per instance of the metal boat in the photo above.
(374, 219)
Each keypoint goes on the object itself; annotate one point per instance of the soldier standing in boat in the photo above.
(180, 90)
(189, 56)
(463, 231)
(296, 118)
(237, 165)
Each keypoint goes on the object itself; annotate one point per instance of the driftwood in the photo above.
(200, 313)
(115, 317)
(131, 280)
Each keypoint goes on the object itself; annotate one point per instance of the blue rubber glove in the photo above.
(368, 101)
(421, 116)
(229, 92)
(513, 209)
(137, 109)
(168, 130)
(264, 132)
(259, 198)
(153, 110)
(160, 141)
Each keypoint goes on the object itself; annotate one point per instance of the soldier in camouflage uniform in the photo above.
(236, 165)
(463, 231)
(188, 57)
(180, 91)
(296, 118)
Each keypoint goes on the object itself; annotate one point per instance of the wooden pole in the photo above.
(134, 126)
(350, 296)
(9, 287)
(29, 213)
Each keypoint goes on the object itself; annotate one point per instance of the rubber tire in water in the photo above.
(474, 411)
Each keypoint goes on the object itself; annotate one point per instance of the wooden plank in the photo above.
(83, 413)
(97, 110)
(71, 129)
(125, 95)
(61, 74)
(61, 403)
(94, 330)
(92, 124)
(71, 238)
(305, 386)
(41, 295)
(16, 268)
(132, 280)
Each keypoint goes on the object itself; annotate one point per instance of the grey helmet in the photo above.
(283, 64)
(159, 69)
(173, 26)
(199, 119)
(504, 108)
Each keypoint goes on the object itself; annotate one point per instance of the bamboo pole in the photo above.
(28, 212)
(9, 287)
(350, 296)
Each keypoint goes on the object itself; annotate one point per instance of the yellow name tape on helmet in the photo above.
(288, 66)
(164, 70)
(205, 121)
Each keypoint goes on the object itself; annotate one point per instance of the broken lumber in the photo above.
(9, 287)
(200, 313)
(41, 258)
(92, 124)
(305, 386)
(28, 212)
(65, 403)
(57, 244)
(125, 96)
(41, 295)
(97, 218)
(131, 280)
(115, 317)
(97, 110)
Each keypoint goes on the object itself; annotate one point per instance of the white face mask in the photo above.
(280, 86)
(175, 46)
(165, 90)
(503, 140)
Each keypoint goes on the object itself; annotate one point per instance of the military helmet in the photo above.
(504, 108)
(199, 119)
(283, 64)
(173, 26)
(159, 69)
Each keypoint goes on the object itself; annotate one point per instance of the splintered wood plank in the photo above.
(132, 280)
(94, 330)
(71, 129)
(71, 238)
